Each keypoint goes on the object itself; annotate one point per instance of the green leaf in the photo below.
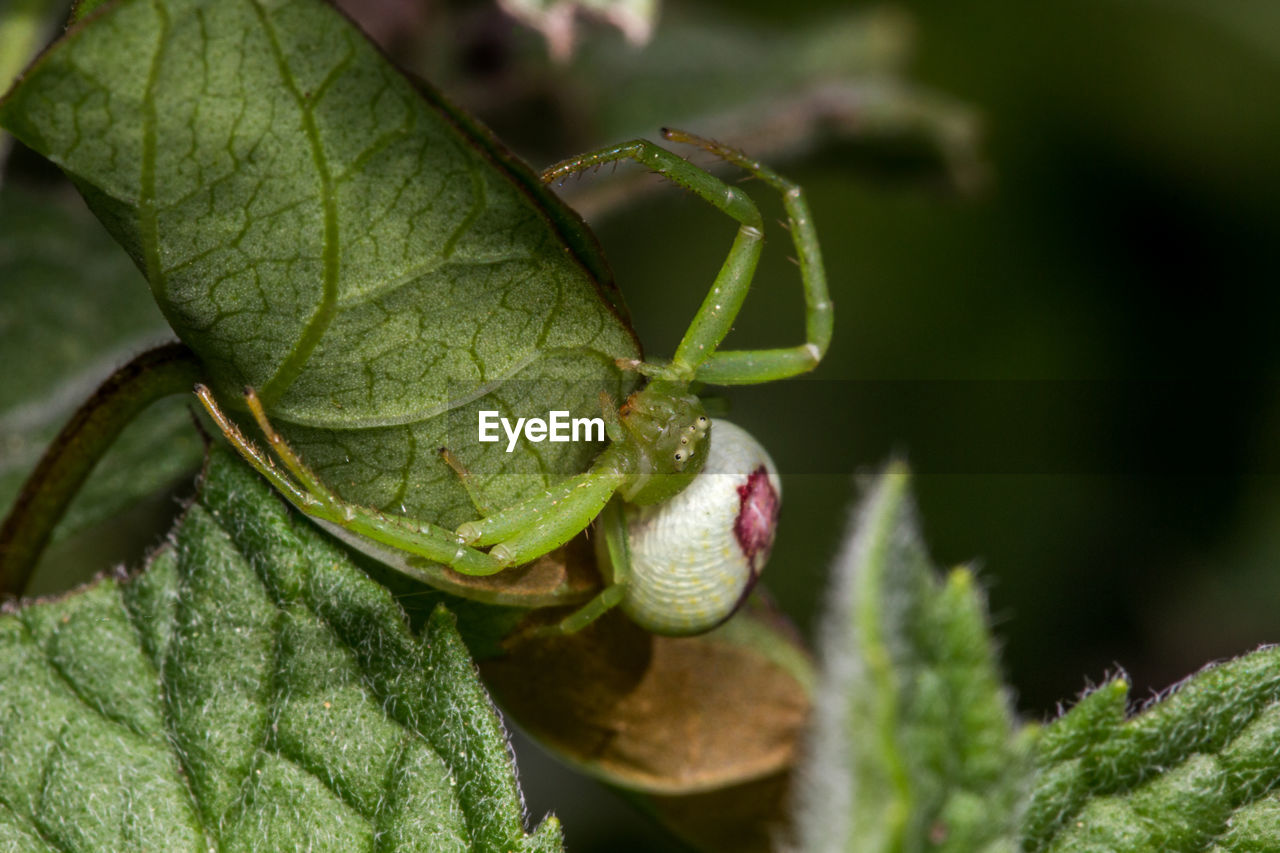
(252, 690)
(82, 8)
(314, 225)
(85, 312)
(914, 745)
(1196, 770)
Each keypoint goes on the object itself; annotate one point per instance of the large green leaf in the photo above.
(914, 745)
(315, 226)
(252, 690)
(1195, 771)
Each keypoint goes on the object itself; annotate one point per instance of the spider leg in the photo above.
(612, 525)
(697, 356)
(745, 367)
(312, 497)
(716, 315)
(548, 519)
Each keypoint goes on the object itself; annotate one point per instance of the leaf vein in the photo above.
(479, 203)
(53, 840)
(66, 680)
(179, 755)
(309, 338)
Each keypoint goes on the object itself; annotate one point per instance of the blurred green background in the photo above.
(1072, 345)
(1077, 355)
(1070, 338)
(1107, 443)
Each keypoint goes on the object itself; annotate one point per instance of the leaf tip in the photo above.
(442, 618)
(961, 579)
(898, 467)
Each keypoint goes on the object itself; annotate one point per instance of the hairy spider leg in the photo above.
(551, 517)
(522, 532)
(749, 367)
(716, 315)
(697, 356)
(309, 495)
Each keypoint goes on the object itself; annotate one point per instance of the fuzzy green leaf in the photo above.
(252, 690)
(914, 746)
(85, 312)
(1197, 770)
(316, 226)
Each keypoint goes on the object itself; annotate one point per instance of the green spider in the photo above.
(699, 560)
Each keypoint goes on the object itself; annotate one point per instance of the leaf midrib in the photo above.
(292, 365)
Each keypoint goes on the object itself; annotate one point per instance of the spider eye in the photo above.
(703, 422)
(681, 455)
(684, 439)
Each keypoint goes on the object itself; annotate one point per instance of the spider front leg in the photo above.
(697, 356)
(550, 518)
(749, 367)
(305, 491)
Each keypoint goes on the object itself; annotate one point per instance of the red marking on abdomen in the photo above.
(757, 518)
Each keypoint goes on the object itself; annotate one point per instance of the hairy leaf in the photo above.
(914, 746)
(1197, 770)
(252, 690)
(314, 225)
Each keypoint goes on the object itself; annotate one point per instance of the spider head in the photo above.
(670, 437)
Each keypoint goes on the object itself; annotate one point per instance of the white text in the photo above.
(557, 426)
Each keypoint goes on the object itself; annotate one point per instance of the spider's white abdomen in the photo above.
(695, 557)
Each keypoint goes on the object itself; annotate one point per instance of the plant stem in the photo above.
(62, 470)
